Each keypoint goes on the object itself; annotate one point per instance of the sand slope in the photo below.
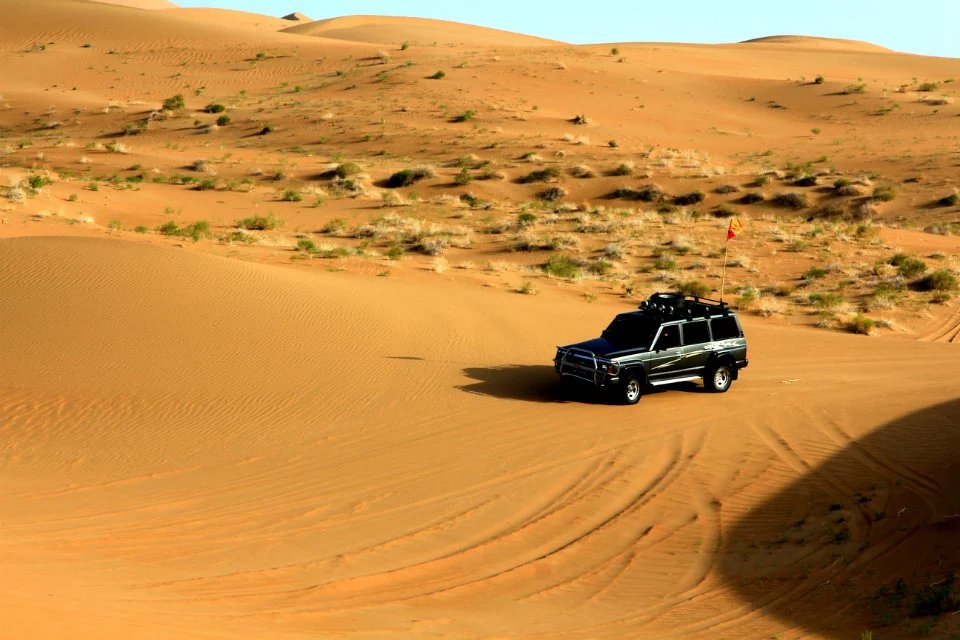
(419, 31)
(207, 448)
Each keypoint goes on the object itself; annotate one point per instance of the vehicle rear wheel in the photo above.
(630, 389)
(719, 378)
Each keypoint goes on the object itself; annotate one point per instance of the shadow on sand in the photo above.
(826, 552)
(540, 383)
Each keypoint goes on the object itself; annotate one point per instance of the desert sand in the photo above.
(249, 389)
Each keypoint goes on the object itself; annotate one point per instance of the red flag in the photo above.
(734, 229)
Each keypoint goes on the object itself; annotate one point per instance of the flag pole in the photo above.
(723, 269)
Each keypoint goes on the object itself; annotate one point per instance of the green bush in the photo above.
(169, 228)
(825, 300)
(860, 324)
(563, 267)
(439, 75)
(463, 177)
(407, 177)
(552, 194)
(197, 230)
(206, 185)
(908, 266)
(855, 88)
(260, 223)
(547, 174)
(622, 169)
(223, 121)
(174, 102)
(805, 181)
(347, 169)
(760, 181)
(465, 116)
(818, 80)
(814, 273)
(526, 219)
(929, 86)
(306, 244)
(214, 107)
(695, 288)
(290, 195)
(939, 280)
(751, 197)
(336, 225)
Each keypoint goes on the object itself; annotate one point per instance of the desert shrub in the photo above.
(552, 194)
(169, 228)
(580, 119)
(814, 273)
(825, 300)
(665, 262)
(174, 102)
(860, 324)
(563, 267)
(197, 230)
(37, 182)
(439, 75)
(463, 177)
(600, 267)
(432, 245)
(198, 165)
(724, 211)
(223, 120)
(760, 181)
(939, 280)
(205, 185)
(526, 219)
(687, 199)
(547, 174)
(849, 190)
(622, 169)
(883, 194)
(267, 128)
(855, 88)
(791, 200)
(464, 117)
(214, 107)
(306, 244)
(805, 181)
(752, 197)
(949, 200)
(290, 195)
(260, 223)
(694, 288)
(407, 177)
(337, 225)
(646, 193)
(727, 188)
(818, 80)
(347, 169)
(928, 86)
(582, 171)
(908, 266)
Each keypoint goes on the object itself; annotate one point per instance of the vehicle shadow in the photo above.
(540, 383)
(865, 540)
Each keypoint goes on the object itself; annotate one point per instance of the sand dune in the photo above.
(141, 4)
(418, 31)
(248, 450)
(812, 42)
(250, 390)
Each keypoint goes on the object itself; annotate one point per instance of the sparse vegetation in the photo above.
(939, 280)
(174, 102)
(563, 267)
(860, 324)
(547, 174)
(260, 223)
(439, 75)
(791, 200)
(214, 107)
(407, 177)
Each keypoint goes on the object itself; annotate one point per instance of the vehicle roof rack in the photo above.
(678, 305)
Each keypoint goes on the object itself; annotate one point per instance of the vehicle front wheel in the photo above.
(719, 378)
(629, 390)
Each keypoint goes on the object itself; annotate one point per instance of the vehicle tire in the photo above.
(718, 378)
(630, 389)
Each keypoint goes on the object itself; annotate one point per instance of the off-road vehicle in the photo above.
(669, 338)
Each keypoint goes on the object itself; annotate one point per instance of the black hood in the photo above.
(599, 346)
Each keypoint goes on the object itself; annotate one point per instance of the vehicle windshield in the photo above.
(631, 330)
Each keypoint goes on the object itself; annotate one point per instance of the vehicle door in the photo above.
(696, 351)
(666, 356)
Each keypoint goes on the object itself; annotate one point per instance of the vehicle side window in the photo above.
(669, 338)
(724, 328)
(695, 332)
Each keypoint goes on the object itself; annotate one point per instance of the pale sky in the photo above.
(928, 27)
